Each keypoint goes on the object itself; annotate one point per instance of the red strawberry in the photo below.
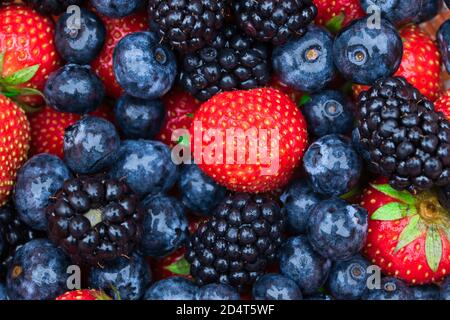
(180, 108)
(48, 127)
(116, 29)
(273, 138)
(80, 295)
(442, 104)
(421, 63)
(408, 235)
(337, 14)
(26, 39)
(14, 144)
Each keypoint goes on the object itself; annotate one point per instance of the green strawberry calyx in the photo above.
(335, 24)
(180, 267)
(426, 218)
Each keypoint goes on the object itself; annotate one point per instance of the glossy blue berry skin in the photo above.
(332, 165)
(443, 38)
(199, 192)
(398, 12)
(117, 8)
(276, 287)
(426, 292)
(301, 263)
(139, 118)
(356, 142)
(80, 43)
(143, 66)
(337, 230)
(329, 112)
(319, 297)
(175, 288)
(429, 10)
(2, 244)
(298, 199)
(364, 54)
(219, 292)
(165, 225)
(74, 88)
(306, 63)
(445, 289)
(390, 289)
(3, 294)
(123, 278)
(38, 271)
(348, 279)
(38, 179)
(91, 145)
(146, 166)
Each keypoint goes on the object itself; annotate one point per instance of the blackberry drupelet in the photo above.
(187, 25)
(231, 61)
(95, 219)
(52, 7)
(407, 140)
(274, 20)
(238, 243)
(15, 233)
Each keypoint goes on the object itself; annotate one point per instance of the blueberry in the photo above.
(329, 112)
(165, 225)
(146, 166)
(75, 89)
(82, 41)
(174, 288)
(302, 264)
(2, 243)
(356, 142)
(52, 7)
(38, 271)
(445, 289)
(319, 297)
(139, 118)
(348, 279)
(306, 63)
(143, 66)
(38, 180)
(429, 10)
(426, 292)
(298, 199)
(332, 165)
(443, 37)
(397, 11)
(123, 278)
(337, 230)
(364, 54)
(117, 8)
(91, 145)
(218, 292)
(3, 294)
(276, 287)
(199, 192)
(391, 289)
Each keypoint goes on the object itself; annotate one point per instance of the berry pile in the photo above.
(224, 150)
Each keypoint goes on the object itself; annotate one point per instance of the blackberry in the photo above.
(238, 243)
(14, 233)
(407, 140)
(95, 219)
(52, 7)
(274, 20)
(231, 61)
(187, 25)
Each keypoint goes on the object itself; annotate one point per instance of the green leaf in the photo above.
(351, 193)
(184, 140)
(393, 211)
(335, 24)
(433, 248)
(180, 267)
(22, 76)
(403, 196)
(412, 231)
(190, 115)
(304, 100)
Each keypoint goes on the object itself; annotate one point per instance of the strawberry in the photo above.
(116, 29)
(263, 127)
(442, 104)
(26, 40)
(180, 107)
(14, 144)
(408, 235)
(337, 14)
(48, 127)
(80, 295)
(421, 63)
